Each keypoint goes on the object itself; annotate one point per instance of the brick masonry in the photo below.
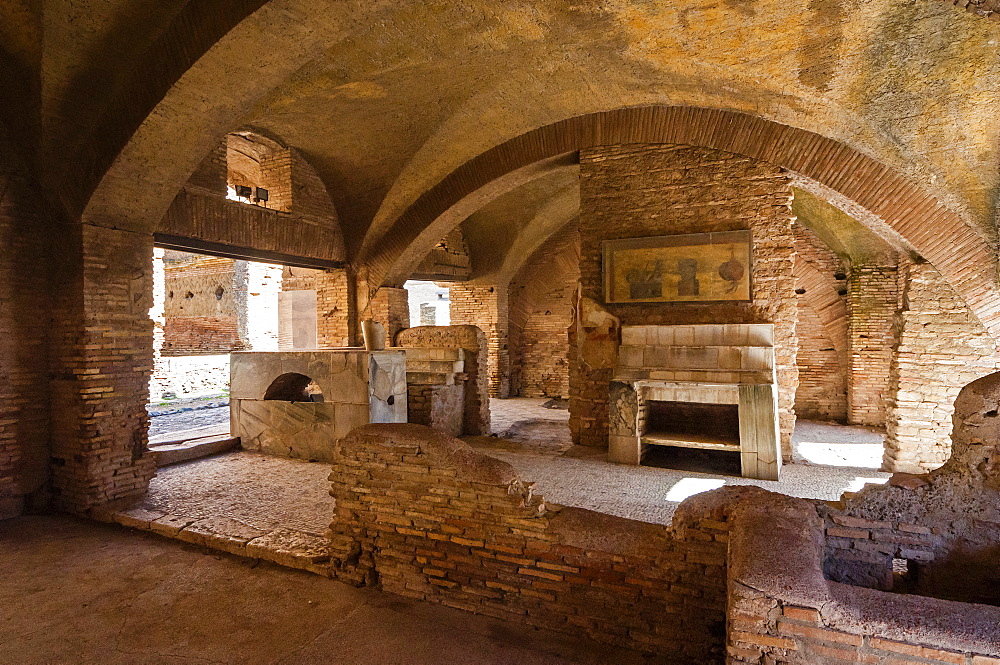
(942, 347)
(24, 288)
(822, 329)
(103, 356)
(486, 307)
(632, 191)
(335, 305)
(874, 304)
(449, 260)
(391, 308)
(542, 296)
(476, 416)
(459, 528)
(300, 220)
(199, 305)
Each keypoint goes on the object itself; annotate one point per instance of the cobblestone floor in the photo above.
(192, 418)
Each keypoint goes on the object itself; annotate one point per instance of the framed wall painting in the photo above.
(696, 267)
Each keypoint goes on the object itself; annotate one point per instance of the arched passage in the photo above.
(962, 255)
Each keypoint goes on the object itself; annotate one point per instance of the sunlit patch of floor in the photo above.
(830, 460)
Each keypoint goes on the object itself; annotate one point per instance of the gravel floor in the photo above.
(269, 491)
(535, 441)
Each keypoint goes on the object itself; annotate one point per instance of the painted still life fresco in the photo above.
(697, 267)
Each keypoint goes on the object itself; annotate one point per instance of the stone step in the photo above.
(185, 451)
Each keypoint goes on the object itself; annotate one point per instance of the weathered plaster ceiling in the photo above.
(386, 99)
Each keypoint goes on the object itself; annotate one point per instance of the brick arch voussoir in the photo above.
(939, 234)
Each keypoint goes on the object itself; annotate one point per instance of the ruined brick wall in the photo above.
(25, 232)
(476, 389)
(449, 260)
(942, 347)
(459, 528)
(438, 406)
(542, 295)
(632, 191)
(301, 222)
(199, 305)
(335, 318)
(874, 301)
(391, 308)
(486, 307)
(299, 279)
(102, 359)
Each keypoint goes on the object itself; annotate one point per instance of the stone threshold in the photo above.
(291, 548)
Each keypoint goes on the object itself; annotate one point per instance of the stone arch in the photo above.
(906, 211)
(293, 387)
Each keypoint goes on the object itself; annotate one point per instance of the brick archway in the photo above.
(940, 235)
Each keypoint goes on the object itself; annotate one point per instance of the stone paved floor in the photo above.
(83, 593)
(260, 491)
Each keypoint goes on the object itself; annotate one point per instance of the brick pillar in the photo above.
(873, 303)
(486, 307)
(102, 360)
(942, 347)
(335, 308)
(391, 308)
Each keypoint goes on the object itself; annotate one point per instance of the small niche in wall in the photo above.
(294, 387)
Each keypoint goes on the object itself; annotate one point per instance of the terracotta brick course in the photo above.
(650, 190)
(496, 548)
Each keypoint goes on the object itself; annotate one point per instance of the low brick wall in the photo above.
(783, 610)
(427, 517)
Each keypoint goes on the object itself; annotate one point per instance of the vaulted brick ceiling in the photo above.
(386, 99)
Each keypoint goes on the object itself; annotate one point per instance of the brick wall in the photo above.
(334, 308)
(102, 358)
(476, 417)
(874, 302)
(438, 406)
(25, 232)
(199, 305)
(459, 528)
(449, 260)
(541, 297)
(783, 609)
(942, 347)
(822, 329)
(486, 307)
(648, 190)
(822, 389)
(391, 308)
(309, 227)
